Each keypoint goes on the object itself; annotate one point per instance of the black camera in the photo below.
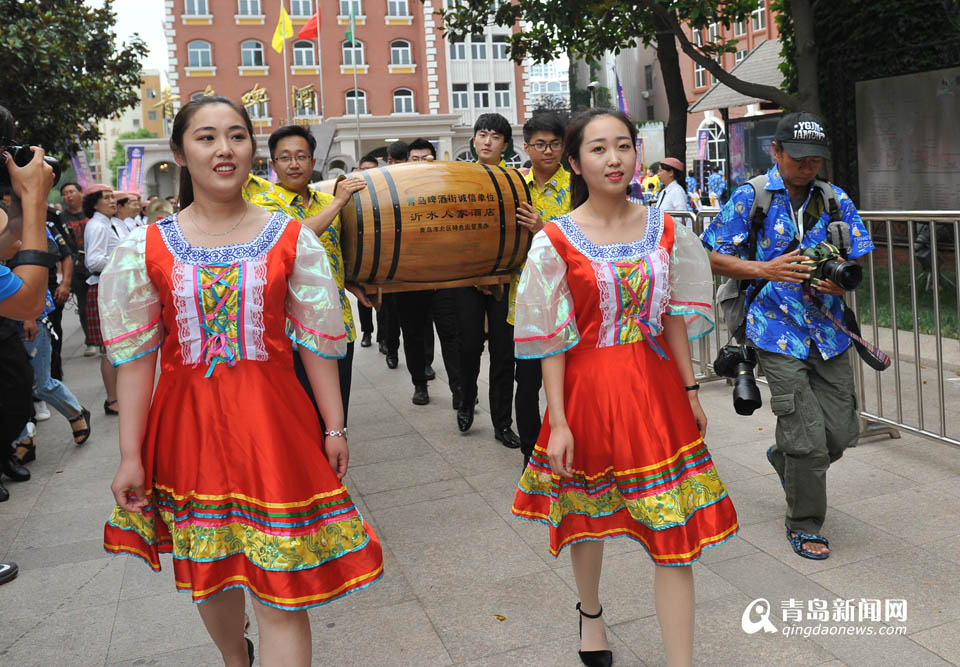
(21, 157)
(737, 363)
(829, 264)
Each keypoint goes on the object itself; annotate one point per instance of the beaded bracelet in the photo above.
(342, 433)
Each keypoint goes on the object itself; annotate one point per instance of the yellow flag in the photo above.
(284, 31)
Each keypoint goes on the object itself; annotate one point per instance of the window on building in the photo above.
(461, 97)
(716, 143)
(554, 87)
(650, 113)
(199, 54)
(648, 76)
(397, 8)
(458, 50)
(536, 70)
(151, 115)
(195, 8)
(698, 38)
(481, 95)
(248, 7)
(251, 53)
(759, 17)
(699, 76)
(713, 32)
(739, 29)
(499, 47)
(258, 111)
(152, 93)
(740, 55)
(501, 95)
(303, 54)
(478, 47)
(301, 8)
(136, 122)
(403, 101)
(353, 53)
(356, 102)
(348, 6)
(400, 52)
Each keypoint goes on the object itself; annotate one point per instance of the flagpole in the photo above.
(356, 92)
(323, 111)
(286, 83)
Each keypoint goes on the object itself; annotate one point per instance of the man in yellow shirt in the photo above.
(291, 151)
(549, 185)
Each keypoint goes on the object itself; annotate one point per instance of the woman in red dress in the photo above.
(607, 300)
(225, 464)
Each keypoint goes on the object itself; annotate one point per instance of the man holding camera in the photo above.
(794, 313)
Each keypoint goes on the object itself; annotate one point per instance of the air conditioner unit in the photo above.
(645, 94)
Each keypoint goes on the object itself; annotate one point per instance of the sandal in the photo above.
(108, 410)
(797, 539)
(82, 433)
(26, 451)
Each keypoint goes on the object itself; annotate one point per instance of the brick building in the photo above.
(410, 82)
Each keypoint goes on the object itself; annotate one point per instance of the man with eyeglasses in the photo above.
(291, 152)
(549, 185)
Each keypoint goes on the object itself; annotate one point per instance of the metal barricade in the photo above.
(913, 397)
(705, 351)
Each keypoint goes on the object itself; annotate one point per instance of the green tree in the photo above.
(60, 71)
(119, 157)
(586, 28)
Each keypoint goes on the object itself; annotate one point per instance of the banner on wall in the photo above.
(121, 178)
(81, 169)
(133, 181)
(703, 138)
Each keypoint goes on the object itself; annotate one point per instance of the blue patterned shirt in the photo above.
(716, 184)
(779, 320)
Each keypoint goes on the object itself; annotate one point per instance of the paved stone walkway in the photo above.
(466, 583)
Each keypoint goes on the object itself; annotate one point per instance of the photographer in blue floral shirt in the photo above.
(802, 352)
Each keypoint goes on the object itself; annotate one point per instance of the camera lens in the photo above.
(746, 394)
(847, 275)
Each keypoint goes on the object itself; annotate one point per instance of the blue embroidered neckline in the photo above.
(614, 251)
(185, 253)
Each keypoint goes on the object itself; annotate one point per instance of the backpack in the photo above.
(732, 301)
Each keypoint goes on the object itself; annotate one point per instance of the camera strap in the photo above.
(874, 357)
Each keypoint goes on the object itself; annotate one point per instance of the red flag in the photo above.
(312, 27)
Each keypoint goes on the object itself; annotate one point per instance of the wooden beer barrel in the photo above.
(434, 222)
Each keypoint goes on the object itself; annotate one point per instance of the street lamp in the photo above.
(592, 87)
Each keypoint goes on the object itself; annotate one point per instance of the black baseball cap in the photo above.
(802, 135)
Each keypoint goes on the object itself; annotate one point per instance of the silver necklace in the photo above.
(206, 233)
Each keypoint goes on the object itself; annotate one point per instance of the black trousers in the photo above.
(472, 305)
(443, 317)
(388, 324)
(527, 402)
(413, 310)
(344, 370)
(366, 318)
(56, 342)
(16, 391)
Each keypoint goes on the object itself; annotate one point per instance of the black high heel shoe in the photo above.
(593, 658)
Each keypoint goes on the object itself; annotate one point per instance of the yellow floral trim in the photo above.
(269, 552)
(663, 510)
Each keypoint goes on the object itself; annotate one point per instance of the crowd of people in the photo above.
(241, 296)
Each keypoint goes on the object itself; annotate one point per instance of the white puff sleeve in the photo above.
(691, 283)
(545, 321)
(129, 303)
(314, 317)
